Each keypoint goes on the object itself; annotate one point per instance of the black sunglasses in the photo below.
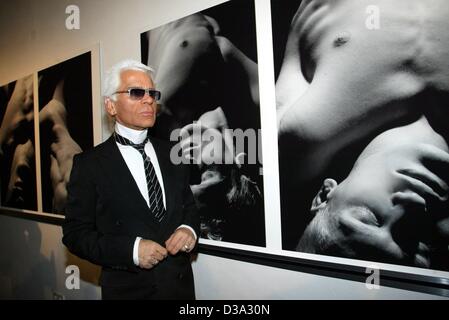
(139, 93)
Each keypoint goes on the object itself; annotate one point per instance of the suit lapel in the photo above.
(123, 181)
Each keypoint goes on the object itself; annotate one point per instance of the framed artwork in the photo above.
(65, 125)
(18, 166)
(47, 118)
(361, 160)
(355, 164)
(206, 68)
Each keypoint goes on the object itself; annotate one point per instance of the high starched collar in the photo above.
(135, 136)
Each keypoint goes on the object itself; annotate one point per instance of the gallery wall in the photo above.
(33, 37)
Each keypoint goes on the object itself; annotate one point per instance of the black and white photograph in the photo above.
(17, 145)
(362, 91)
(206, 69)
(65, 122)
(229, 150)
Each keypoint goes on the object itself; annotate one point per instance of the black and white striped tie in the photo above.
(154, 188)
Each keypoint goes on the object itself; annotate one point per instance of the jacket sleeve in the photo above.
(80, 231)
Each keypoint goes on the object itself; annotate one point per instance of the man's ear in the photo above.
(110, 107)
(320, 200)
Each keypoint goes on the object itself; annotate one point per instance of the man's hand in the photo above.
(181, 240)
(150, 253)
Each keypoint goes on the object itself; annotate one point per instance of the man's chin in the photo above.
(149, 123)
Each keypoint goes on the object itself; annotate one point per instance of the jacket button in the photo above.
(180, 276)
(118, 223)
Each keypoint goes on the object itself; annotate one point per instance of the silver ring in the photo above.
(186, 247)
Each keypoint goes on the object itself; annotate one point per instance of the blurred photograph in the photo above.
(17, 157)
(65, 120)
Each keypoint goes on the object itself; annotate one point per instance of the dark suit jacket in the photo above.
(105, 212)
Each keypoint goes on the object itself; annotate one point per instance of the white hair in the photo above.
(112, 76)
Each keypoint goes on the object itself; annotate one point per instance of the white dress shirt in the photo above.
(134, 161)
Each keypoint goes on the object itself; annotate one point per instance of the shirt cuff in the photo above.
(136, 251)
(188, 227)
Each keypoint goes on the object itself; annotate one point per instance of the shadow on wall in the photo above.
(88, 272)
(27, 273)
(24, 272)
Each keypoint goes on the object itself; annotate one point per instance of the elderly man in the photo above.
(129, 208)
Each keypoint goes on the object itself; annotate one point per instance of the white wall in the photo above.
(33, 261)
(32, 258)
(219, 278)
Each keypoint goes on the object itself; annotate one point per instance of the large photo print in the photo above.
(65, 123)
(362, 102)
(206, 68)
(17, 145)
(36, 160)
